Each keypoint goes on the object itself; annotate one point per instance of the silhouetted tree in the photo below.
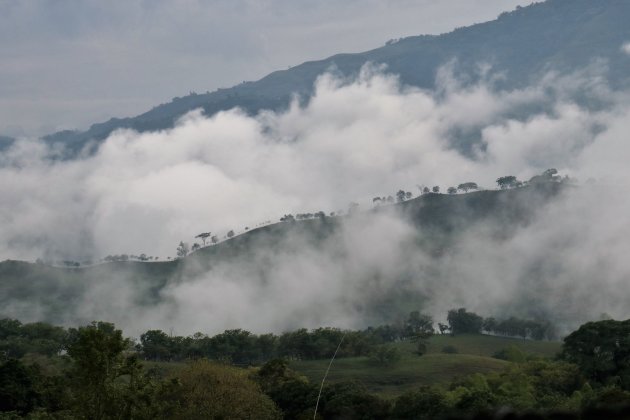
(230, 234)
(505, 182)
(419, 325)
(452, 190)
(436, 189)
(462, 321)
(467, 186)
(600, 349)
(203, 236)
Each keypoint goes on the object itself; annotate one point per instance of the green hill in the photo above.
(32, 292)
(474, 356)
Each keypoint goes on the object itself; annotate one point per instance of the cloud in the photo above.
(351, 142)
(144, 192)
(182, 46)
(626, 48)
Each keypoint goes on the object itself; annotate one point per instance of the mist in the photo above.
(354, 140)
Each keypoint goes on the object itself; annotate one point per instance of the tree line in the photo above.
(241, 347)
(100, 377)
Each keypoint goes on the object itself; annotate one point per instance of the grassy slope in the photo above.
(487, 345)
(39, 292)
(433, 368)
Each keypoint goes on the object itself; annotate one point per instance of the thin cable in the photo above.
(326, 375)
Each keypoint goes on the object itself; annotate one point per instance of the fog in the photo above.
(355, 139)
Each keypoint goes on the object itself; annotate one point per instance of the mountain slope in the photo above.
(252, 263)
(523, 45)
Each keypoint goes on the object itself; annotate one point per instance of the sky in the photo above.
(68, 64)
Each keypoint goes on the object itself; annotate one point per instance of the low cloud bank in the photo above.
(143, 193)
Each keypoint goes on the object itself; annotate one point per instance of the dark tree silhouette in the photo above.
(467, 186)
(203, 236)
(508, 181)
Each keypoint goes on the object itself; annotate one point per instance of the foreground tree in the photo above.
(602, 351)
(97, 354)
(292, 392)
(18, 387)
(424, 403)
(215, 391)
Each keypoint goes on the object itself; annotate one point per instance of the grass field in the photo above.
(487, 345)
(405, 375)
(474, 356)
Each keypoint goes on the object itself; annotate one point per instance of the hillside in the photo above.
(474, 355)
(561, 35)
(71, 295)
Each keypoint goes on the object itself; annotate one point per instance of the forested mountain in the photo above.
(522, 45)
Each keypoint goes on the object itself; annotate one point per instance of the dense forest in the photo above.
(94, 372)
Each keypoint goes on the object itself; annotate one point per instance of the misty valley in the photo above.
(393, 360)
(434, 228)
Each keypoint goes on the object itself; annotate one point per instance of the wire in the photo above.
(326, 375)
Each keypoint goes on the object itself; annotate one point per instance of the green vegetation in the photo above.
(488, 345)
(408, 373)
(101, 377)
(474, 355)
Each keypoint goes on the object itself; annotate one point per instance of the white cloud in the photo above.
(350, 143)
(146, 192)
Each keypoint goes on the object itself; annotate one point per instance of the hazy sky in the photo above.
(67, 64)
